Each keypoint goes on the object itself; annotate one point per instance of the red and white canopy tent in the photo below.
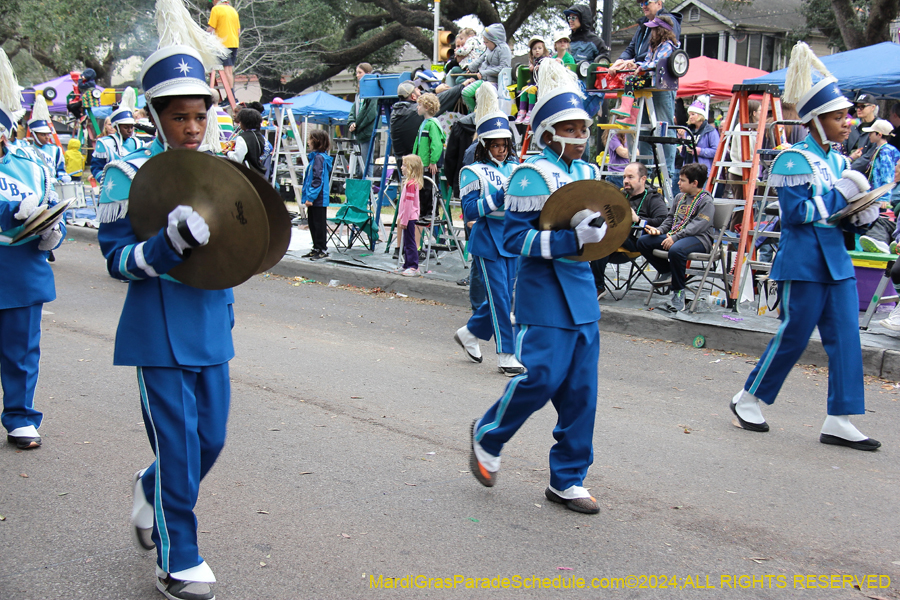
(714, 77)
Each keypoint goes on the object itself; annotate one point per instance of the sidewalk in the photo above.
(722, 329)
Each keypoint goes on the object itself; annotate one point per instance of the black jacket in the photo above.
(584, 44)
(460, 138)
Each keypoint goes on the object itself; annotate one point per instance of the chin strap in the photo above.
(562, 141)
(159, 129)
(821, 131)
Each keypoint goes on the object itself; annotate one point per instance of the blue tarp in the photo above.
(874, 69)
(319, 107)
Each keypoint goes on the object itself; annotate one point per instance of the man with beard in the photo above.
(648, 207)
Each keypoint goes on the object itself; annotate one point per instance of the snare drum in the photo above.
(71, 191)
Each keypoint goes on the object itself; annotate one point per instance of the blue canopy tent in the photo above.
(318, 107)
(873, 69)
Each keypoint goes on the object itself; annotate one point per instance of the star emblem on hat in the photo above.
(499, 122)
(573, 101)
(183, 67)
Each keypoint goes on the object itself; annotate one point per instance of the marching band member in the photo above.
(42, 128)
(178, 337)
(27, 278)
(481, 187)
(556, 311)
(122, 142)
(815, 276)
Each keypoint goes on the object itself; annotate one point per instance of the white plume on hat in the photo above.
(40, 111)
(487, 108)
(176, 27)
(798, 80)
(554, 79)
(10, 97)
(129, 99)
(212, 136)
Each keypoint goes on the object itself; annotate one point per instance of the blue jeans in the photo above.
(677, 260)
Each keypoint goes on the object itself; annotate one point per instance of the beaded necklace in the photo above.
(687, 215)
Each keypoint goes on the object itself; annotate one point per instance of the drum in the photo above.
(73, 191)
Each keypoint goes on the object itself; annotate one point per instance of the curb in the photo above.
(877, 361)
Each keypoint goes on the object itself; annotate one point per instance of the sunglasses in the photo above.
(645, 3)
(571, 18)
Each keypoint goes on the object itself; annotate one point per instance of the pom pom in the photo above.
(129, 99)
(486, 102)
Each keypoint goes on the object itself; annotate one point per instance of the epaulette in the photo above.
(524, 194)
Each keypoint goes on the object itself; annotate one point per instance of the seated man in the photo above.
(688, 228)
(648, 207)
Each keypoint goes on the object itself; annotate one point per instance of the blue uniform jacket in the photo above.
(810, 249)
(317, 178)
(481, 187)
(551, 290)
(110, 148)
(164, 323)
(26, 275)
(53, 156)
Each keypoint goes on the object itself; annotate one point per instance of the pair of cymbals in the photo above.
(597, 196)
(249, 226)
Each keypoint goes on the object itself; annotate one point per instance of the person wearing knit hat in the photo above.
(481, 190)
(122, 142)
(182, 371)
(556, 310)
(816, 280)
(25, 188)
(42, 128)
(487, 67)
(706, 135)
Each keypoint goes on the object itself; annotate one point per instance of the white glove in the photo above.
(584, 231)
(50, 238)
(852, 185)
(65, 179)
(28, 207)
(865, 216)
(186, 229)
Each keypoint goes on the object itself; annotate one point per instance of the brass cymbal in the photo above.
(863, 203)
(238, 225)
(598, 196)
(276, 211)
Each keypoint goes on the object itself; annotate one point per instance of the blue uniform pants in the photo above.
(20, 356)
(492, 317)
(185, 413)
(562, 368)
(834, 308)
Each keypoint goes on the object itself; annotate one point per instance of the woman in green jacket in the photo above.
(362, 117)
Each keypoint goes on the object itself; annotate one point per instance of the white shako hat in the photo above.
(40, 116)
(124, 115)
(10, 97)
(490, 121)
(559, 99)
(811, 100)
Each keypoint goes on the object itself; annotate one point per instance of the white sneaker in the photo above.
(508, 365)
(469, 343)
(892, 321)
(141, 516)
(869, 244)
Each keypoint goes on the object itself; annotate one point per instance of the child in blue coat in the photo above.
(316, 185)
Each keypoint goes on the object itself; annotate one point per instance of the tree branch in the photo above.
(846, 21)
(881, 13)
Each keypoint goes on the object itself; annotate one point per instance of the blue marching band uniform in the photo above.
(179, 339)
(25, 184)
(482, 191)
(556, 314)
(816, 279)
(113, 147)
(50, 153)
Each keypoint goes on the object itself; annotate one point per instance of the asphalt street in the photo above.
(346, 466)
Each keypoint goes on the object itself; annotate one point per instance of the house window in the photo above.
(702, 44)
(694, 14)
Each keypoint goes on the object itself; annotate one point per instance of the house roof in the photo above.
(779, 15)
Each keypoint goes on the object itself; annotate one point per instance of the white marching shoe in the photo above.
(508, 365)
(892, 321)
(745, 407)
(469, 343)
(839, 431)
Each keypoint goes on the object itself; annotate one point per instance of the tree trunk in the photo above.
(845, 15)
(881, 13)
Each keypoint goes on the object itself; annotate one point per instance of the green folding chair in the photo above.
(355, 217)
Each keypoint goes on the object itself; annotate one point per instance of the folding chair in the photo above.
(438, 227)
(355, 215)
(715, 257)
(636, 265)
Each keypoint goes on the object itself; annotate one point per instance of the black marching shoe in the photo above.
(587, 506)
(867, 444)
(175, 589)
(758, 427)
